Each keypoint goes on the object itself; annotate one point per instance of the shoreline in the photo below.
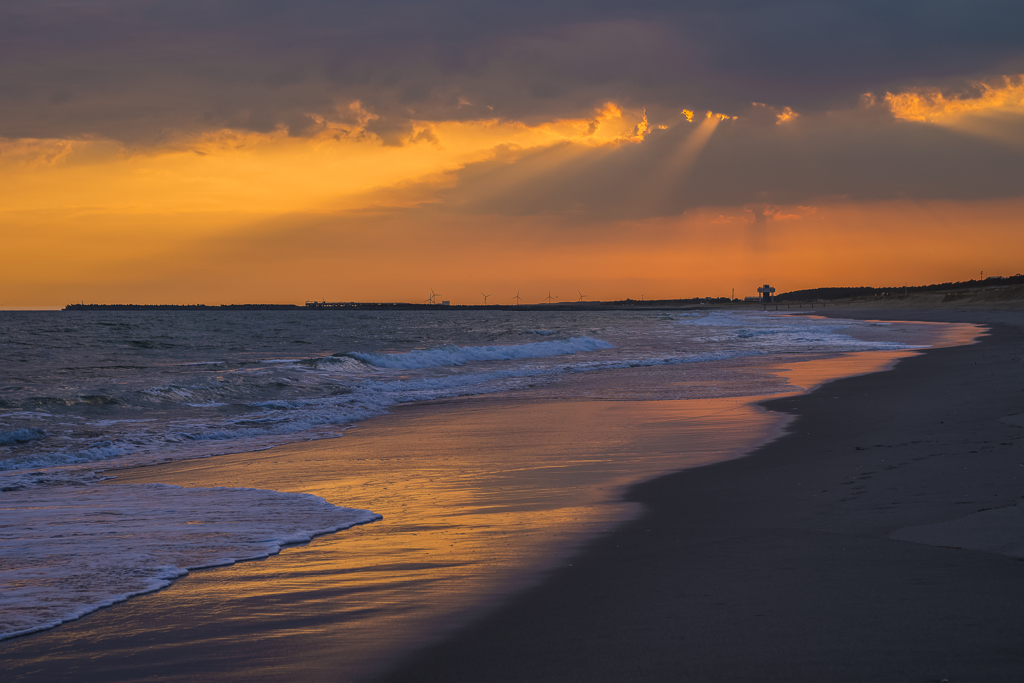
(152, 608)
(499, 542)
(785, 565)
(439, 556)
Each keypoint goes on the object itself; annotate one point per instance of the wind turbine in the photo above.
(581, 295)
(517, 297)
(485, 297)
(430, 299)
(549, 297)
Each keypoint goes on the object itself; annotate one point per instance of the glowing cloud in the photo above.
(273, 173)
(787, 114)
(933, 106)
(609, 125)
(994, 111)
(762, 111)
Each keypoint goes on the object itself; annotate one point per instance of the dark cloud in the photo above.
(141, 70)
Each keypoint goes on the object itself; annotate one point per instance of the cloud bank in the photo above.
(141, 71)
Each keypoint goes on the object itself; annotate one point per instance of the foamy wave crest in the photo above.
(74, 550)
(17, 436)
(104, 450)
(754, 333)
(460, 355)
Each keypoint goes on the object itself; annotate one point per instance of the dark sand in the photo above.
(792, 564)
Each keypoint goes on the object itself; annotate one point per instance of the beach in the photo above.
(803, 561)
(879, 539)
(473, 342)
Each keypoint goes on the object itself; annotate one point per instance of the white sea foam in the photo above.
(772, 333)
(104, 450)
(68, 552)
(16, 436)
(460, 355)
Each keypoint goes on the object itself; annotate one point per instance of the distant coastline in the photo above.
(992, 289)
(404, 306)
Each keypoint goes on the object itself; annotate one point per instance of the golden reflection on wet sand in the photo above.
(478, 498)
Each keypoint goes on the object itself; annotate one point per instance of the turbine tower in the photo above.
(581, 295)
(549, 297)
(430, 299)
(517, 297)
(485, 297)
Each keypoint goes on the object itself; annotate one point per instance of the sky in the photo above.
(260, 151)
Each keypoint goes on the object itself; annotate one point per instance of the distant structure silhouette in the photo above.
(766, 292)
(485, 297)
(517, 297)
(549, 297)
(581, 295)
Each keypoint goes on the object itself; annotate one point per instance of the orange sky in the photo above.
(612, 205)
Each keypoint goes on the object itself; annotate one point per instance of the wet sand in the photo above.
(479, 498)
(873, 542)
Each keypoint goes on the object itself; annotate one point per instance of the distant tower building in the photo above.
(766, 293)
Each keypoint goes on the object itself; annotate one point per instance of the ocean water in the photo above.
(82, 393)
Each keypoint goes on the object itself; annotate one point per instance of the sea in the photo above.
(84, 394)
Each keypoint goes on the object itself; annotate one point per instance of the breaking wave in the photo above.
(450, 355)
(17, 436)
